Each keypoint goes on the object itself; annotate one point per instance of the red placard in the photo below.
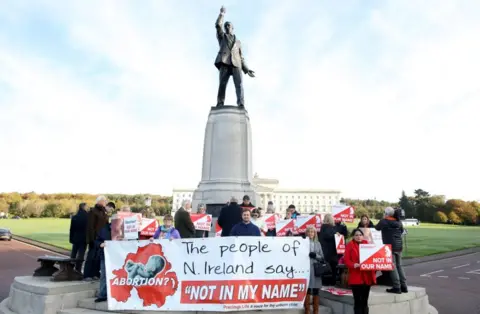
(148, 227)
(284, 226)
(376, 257)
(343, 213)
(202, 221)
(340, 243)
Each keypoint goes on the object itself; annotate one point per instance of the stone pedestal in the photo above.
(227, 158)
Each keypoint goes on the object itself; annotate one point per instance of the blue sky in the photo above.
(370, 97)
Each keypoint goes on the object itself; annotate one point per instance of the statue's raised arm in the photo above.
(219, 24)
(230, 60)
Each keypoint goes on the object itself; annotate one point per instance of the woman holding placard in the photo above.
(315, 284)
(167, 231)
(359, 280)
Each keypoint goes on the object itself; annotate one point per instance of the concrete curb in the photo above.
(436, 257)
(45, 246)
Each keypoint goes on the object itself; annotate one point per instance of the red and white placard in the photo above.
(303, 222)
(284, 226)
(218, 230)
(340, 243)
(202, 221)
(376, 257)
(148, 227)
(271, 220)
(130, 214)
(343, 213)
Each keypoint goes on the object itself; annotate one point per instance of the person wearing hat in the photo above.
(246, 203)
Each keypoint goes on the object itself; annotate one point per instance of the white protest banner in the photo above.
(376, 257)
(372, 235)
(130, 228)
(340, 243)
(218, 274)
(285, 226)
(344, 213)
(148, 227)
(202, 221)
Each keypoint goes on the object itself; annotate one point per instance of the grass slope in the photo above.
(425, 240)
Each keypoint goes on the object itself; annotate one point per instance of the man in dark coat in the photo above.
(230, 215)
(97, 219)
(78, 235)
(183, 221)
(392, 230)
(246, 203)
(229, 61)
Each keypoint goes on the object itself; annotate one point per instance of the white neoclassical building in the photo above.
(305, 200)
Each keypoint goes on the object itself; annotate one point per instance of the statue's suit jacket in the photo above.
(226, 56)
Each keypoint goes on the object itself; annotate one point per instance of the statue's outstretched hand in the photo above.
(251, 73)
(223, 10)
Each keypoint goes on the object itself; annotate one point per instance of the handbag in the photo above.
(321, 268)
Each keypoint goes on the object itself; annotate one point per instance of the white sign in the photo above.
(214, 274)
(130, 228)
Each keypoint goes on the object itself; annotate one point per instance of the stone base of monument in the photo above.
(413, 302)
(37, 295)
(227, 158)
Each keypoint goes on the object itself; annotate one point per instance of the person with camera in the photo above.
(392, 230)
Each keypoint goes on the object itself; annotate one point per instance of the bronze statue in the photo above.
(229, 61)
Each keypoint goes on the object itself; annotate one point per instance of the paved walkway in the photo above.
(453, 284)
(17, 259)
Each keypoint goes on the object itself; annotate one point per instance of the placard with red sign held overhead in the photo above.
(343, 213)
(202, 221)
(376, 257)
(148, 227)
(284, 226)
(271, 220)
(303, 222)
(340, 243)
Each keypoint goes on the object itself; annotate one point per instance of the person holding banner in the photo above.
(105, 234)
(359, 281)
(245, 228)
(167, 231)
(315, 283)
(258, 221)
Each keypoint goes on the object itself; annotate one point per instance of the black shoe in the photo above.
(394, 290)
(98, 300)
(220, 104)
(241, 106)
(404, 289)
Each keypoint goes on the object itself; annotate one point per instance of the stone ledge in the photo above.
(89, 304)
(43, 285)
(4, 308)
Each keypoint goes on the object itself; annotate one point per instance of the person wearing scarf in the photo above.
(167, 231)
(359, 280)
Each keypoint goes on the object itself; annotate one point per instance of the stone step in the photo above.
(97, 308)
(83, 311)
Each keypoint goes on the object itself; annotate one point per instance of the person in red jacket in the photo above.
(359, 280)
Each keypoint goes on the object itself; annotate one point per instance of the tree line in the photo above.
(63, 205)
(424, 207)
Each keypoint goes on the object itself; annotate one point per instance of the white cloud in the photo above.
(370, 105)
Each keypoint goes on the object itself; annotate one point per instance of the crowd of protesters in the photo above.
(90, 229)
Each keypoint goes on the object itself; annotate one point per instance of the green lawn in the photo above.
(425, 240)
